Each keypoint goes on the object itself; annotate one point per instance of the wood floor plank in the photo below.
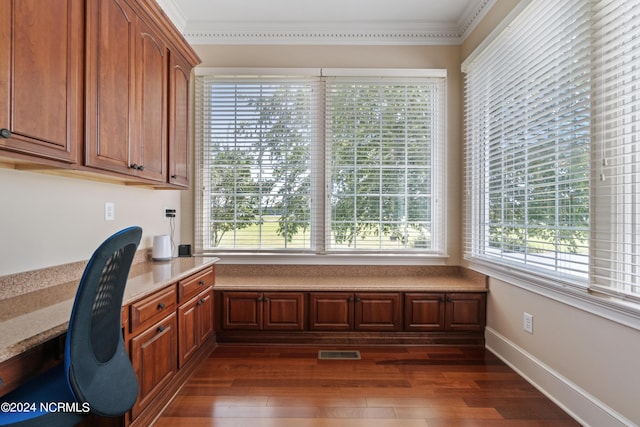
(287, 386)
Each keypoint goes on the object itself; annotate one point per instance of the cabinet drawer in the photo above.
(153, 308)
(194, 284)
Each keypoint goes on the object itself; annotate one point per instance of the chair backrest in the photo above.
(97, 365)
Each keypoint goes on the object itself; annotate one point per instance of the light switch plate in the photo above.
(109, 211)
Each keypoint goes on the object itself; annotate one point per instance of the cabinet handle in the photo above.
(201, 282)
(358, 299)
(265, 299)
(174, 176)
(202, 301)
(141, 167)
(161, 306)
(5, 133)
(350, 299)
(160, 329)
(134, 166)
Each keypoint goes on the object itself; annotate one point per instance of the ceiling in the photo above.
(403, 22)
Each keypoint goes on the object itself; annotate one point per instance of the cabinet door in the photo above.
(283, 311)
(188, 326)
(378, 312)
(242, 310)
(154, 358)
(466, 312)
(151, 82)
(41, 67)
(110, 91)
(424, 312)
(331, 311)
(205, 316)
(179, 74)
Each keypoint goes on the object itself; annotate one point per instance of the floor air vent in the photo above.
(338, 355)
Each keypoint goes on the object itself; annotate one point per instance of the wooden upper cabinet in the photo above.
(126, 92)
(41, 66)
(110, 91)
(179, 74)
(151, 81)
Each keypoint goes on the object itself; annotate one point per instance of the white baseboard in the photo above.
(582, 406)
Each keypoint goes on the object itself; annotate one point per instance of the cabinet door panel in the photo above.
(242, 310)
(151, 145)
(41, 77)
(154, 358)
(424, 312)
(466, 312)
(283, 311)
(331, 311)
(180, 72)
(188, 327)
(378, 312)
(110, 85)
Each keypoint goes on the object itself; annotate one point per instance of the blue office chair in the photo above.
(96, 376)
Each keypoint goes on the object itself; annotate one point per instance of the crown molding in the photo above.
(320, 33)
(332, 33)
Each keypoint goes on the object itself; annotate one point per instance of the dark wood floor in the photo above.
(287, 386)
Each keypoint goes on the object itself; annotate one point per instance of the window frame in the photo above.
(320, 214)
(580, 293)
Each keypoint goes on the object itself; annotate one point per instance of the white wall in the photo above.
(588, 364)
(48, 220)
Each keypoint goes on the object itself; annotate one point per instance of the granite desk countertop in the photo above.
(35, 317)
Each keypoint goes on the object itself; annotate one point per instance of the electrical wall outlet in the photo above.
(169, 213)
(527, 323)
(109, 211)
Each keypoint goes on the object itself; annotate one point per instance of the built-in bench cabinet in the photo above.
(427, 317)
(255, 311)
(360, 311)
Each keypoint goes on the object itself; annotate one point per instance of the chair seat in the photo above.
(46, 400)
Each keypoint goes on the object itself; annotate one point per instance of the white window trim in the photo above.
(592, 299)
(336, 258)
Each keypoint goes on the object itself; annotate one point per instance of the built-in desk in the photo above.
(34, 324)
(33, 318)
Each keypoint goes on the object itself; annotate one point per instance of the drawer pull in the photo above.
(201, 282)
(160, 329)
(5, 133)
(161, 306)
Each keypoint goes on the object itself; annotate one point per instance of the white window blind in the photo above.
(254, 162)
(385, 151)
(321, 165)
(527, 128)
(616, 190)
(553, 144)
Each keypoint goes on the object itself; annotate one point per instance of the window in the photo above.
(323, 164)
(554, 94)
